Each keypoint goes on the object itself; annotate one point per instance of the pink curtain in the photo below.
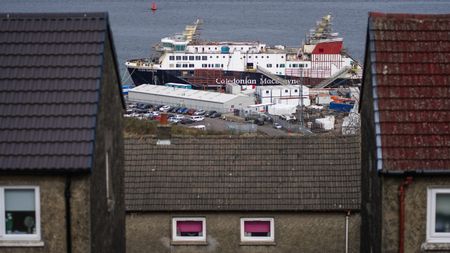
(257, 226)
(189, 226)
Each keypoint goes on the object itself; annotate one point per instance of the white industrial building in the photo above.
(197, 99)
(283, 94)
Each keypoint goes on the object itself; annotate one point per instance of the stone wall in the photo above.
(52, 206)
(108, 216)
(415, 212)
(294, 232)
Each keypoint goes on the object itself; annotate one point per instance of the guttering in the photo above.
(430, 172)
(401, 195)
(347, 216)
(67, 196)
(373, 69)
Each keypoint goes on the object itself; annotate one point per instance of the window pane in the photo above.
(257, 228)
(20, 216)
(442, 213)
(189, 228)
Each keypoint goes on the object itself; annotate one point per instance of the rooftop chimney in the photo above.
(163, 131)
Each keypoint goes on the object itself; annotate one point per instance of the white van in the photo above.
(197, 118)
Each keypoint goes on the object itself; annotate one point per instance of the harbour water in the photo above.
(136, 28)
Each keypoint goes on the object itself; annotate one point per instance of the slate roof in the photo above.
(410, 71)
(237, 174)
(50, 75)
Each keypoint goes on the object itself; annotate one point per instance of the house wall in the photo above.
(415, 212)
(370, 180)
(52, 204)
(294, 232)
(108, 219)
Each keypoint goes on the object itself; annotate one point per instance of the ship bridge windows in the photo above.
(302, 65)
(191, 65)
(282, 65)
(167, 45)
(180, 47)
(295, 65)
(204, 58)
(204, 65)
(197, 58)
(185, 65)
(185, 58)
(171, 58)
(178, 58)
(191, 57)
(269, 65)
(178, 65)
(217, 65)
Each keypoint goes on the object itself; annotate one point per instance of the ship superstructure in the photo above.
(184, 58)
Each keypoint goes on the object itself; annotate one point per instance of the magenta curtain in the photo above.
(189, 226)
(257, 226)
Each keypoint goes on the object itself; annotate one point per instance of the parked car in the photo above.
(216, 115)
(209, 113)
(185, 110)
(164, 108)
(200, 112)
(180, 117)
(187, 121)
(197, 118)
(190, 111)
(174, 120)
(259, 121)
(173, 109)
(277, 125)
(288, 117)
(180, 110)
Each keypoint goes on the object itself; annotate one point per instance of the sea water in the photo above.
(275, 22)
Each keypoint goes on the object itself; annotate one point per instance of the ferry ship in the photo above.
(185, 59)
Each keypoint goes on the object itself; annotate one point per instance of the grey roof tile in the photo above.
(243, 174)
(50, 71)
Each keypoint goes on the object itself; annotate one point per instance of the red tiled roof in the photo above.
(410, 58)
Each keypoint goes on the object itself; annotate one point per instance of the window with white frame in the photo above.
(19, 213)
(257, 230)
(438, 215)
(189, 229)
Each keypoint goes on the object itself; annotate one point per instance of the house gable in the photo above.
(411, 91)
(50, 77)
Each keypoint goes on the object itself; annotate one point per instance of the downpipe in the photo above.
(67, 196)
(401, 195)
(347, 216)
